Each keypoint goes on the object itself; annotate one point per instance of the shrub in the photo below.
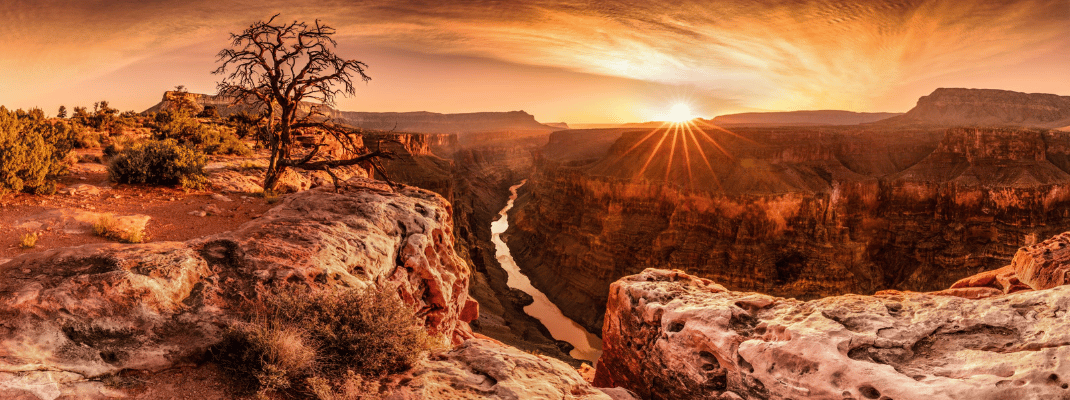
(164, 162)
(209, 138)
(29, 240)
(85, 138)
(310, 342)
(33, 151)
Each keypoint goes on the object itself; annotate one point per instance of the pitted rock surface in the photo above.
(669, 335)
(482, 369)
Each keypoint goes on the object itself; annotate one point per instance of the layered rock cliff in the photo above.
(987, 107)
(792, 212)
(669, 335)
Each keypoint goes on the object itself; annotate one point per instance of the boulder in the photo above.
(74, 221)
(1045, 264)
(669, 335)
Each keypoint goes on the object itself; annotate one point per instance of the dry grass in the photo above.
(107, 227)
(326, 345)
(29, 240)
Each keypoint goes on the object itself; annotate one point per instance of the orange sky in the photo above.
(573, 61)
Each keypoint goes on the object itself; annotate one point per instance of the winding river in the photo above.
(587, 346)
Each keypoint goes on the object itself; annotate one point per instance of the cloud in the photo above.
(767, 54)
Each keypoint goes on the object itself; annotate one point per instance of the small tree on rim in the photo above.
(283, 70)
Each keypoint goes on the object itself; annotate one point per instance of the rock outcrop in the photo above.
(987, 107)
(795, 212)
(669, 335)
(71, 316)
(481, 369)
(799, 118)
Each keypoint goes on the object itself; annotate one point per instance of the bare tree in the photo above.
(285, 70)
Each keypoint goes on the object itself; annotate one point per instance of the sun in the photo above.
(680, 112)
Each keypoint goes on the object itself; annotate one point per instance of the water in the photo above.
(586, 345)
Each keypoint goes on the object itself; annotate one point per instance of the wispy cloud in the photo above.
(766, 54)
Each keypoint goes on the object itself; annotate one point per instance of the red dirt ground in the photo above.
(168, 207)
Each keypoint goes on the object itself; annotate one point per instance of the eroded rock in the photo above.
(482, 369)
(73, 315)
(669, 335)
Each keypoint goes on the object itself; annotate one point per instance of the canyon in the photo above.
(801, 212)
(718, 262)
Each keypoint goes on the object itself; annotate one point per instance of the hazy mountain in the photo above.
(800, 118)
(419, 121)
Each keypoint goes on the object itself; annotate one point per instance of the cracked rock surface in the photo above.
(669, 335)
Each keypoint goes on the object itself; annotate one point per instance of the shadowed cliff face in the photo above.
(790, 212)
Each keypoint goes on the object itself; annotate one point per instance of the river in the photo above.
(586, 345)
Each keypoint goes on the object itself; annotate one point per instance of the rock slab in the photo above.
(669, 335)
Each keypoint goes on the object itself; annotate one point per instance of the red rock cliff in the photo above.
(797, 213)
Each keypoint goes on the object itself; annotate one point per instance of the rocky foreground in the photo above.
(71, 318)
(669, 335)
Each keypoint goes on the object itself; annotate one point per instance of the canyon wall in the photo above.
(792, 212)
(476, 181)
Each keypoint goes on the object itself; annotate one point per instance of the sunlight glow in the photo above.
(680, 112)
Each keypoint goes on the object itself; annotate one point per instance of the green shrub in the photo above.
(85, 138)
(33, 151)
(309, 342)
(163, 162)
(209, 138)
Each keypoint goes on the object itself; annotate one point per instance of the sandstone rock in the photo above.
(86, 312)
(1044, 265)
(670, 336)
(292, 182)
(229, 181)
(219, 197)
(74, 221)
(481, 369)
(81, 189)
(89, 168)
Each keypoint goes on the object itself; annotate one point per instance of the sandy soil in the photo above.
(169, 209)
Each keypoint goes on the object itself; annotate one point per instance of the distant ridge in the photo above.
(987, 107)
(418, 121)
(799, 118)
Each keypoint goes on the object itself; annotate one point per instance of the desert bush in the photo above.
(85, 138)
(302, 342)
(33, 151)
(29, 240)
(209, 138)
(158, 162)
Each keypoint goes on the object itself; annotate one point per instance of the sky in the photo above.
(560, 60)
